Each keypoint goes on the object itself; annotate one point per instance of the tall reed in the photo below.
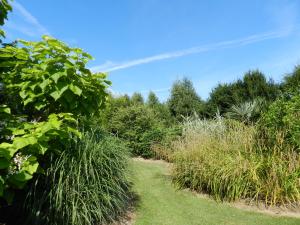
(221, 157)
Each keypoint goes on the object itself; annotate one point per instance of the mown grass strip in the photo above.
(161, 204)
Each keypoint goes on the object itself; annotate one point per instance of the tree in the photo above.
(137, 98)
(291, 82)
(280, 125)
(256, 85)
(221, 99)
(161, 110)
(119, 101)
(152, 100)
(253, 85)
(184, 100)
(5, 7)
(137, 126)
(113, 105)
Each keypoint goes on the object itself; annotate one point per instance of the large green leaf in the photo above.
(18, 131)
(5, 109)
(40, 105)
(21, 142)
(18, 180)
(56, 76)
(75, 89)
(57, 94)
(8, 63)
(31, 165)
(44, 84)
(6, 150)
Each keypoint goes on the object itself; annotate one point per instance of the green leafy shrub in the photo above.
(44, 90)
(20, 156)
(280, 126)
(140, 126)
(291, 82)
(87, 184)
(46, 77)
(137, 126)
(137, 99)
(164, 149)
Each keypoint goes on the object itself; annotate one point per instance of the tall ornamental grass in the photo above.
(221, 157)
(87, 184)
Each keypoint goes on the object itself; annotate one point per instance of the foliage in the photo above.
(137, 126)
(87, 184)
(141, 126)
(164, 115)
(256, 85)
(220, 99)
(5, 7)
(291, 82)
(137, 99)
(152, 100)
(281, 121)
(253, 85)
(247, 112)
(46, 76)
(20, 154)
(222, 158)
(164, 149)
(161, 110)
(184, 100)
(45, 89)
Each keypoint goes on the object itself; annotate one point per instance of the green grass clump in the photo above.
(87, 184)
(221, 157)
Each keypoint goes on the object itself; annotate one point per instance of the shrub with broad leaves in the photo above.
(45, 88)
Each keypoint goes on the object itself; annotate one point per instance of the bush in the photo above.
(281, 123)
(45, 88)
(184, 100)
(164, 149)
(291, 82)
(138, 127)
(87, 184)
(221, 158)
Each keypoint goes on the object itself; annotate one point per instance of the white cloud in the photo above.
(110, 66)
(31, 26)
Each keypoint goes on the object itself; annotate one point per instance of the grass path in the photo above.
(161, 204)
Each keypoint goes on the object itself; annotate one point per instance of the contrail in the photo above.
(108, 67)
(29, 18)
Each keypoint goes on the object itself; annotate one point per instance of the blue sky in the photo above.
(147, 45)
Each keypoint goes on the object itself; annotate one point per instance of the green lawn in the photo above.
(161, 204)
